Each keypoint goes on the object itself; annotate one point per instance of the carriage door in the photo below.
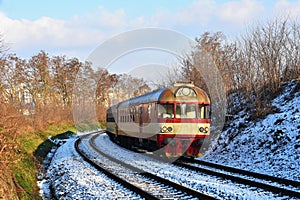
(116, 119)
(141, 118)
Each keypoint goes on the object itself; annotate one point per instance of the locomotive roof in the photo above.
(168, 94)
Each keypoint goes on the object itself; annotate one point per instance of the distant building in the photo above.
(21, 96)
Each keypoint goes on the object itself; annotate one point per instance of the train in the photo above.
(174, 121)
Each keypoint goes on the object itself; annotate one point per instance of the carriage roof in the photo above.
(176, 93)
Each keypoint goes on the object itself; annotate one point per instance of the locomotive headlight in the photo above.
(170, 129)
(201, 129)
(206, 129)
(164, 129)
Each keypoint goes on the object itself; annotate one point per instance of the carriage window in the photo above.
(149, 111)
(185, 111)
(165, 110)
(132, 114)
(203, 111)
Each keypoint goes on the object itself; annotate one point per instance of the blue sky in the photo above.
(75, 28)
(34, 9)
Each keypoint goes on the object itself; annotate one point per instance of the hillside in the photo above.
(270, 145)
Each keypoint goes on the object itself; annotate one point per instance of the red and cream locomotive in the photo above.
(175, 119)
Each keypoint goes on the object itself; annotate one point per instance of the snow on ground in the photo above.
(69, 177)
(271, 145)
(213, 186)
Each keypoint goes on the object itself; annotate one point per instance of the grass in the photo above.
(25, 172)
(88, 126)
(26, 166)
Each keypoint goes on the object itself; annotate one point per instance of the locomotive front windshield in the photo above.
(183, 111)
(186, 111)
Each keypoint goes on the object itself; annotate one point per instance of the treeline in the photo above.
(251, 68)
(39, 91)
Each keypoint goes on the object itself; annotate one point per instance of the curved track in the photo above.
(149, 186)
(128, 185)
(273, 184)
(242, 176)
(244, 172)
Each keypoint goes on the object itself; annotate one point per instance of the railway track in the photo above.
(128, 185)
(269, 183)
(274, 184)
(147, 185)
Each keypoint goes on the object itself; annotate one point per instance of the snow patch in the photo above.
(269, 146)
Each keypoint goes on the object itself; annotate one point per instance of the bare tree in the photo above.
(64, 72)
(291, 54)
(128, 87)
(264, 57)
(105, 81)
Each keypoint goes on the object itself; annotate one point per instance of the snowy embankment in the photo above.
(270, 145)
(211, 185)
(70, 177)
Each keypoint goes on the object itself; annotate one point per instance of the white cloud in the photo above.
(101, 18)
(54, 35)
(24, 36)
(87, 31)
(198, 12)
(240, 12)
(201, 12)
(287, 8)
(44, 32)
(203, 15)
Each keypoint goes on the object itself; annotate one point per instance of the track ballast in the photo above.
(145, 184)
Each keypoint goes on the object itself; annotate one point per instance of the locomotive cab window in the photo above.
(165, 110)
(185, 111)
(203, 111)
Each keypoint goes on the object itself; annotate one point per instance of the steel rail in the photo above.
(186, 190)
(244, 172)
(274, 189)
(123, 182)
